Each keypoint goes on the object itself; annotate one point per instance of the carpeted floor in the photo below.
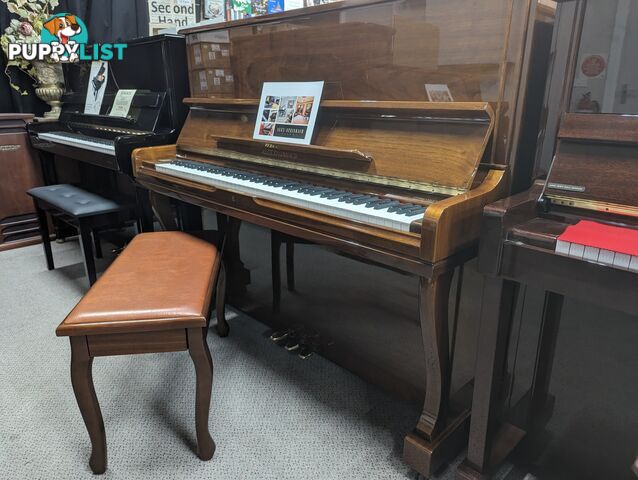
(272, 416)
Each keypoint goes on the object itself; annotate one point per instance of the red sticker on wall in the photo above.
(593, 65)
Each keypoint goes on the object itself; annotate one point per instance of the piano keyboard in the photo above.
(368, 209)
(78, 140)
(612, 246)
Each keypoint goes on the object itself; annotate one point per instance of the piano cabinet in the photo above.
(20, 171)
(391, 177)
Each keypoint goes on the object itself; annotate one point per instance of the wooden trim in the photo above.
(137, 342)
(597, 127)
(455, 223)
(447, 107)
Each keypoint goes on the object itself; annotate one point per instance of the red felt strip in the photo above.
(598, 235)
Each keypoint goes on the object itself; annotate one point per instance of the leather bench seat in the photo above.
(161, 281)
(74, 200)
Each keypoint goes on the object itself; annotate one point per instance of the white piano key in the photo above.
(606, 257)
(633, 264)
(311, 202)
(562, 247)
(576, 250)
(591, 253)
(622, 260)
(79, 143)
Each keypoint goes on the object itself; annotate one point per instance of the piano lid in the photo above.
(423, 146)
(596, 164)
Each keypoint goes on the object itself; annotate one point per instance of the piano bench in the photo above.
(155, 297)
(85, 211)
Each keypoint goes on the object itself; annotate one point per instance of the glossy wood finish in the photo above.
(20, 172)
(592, 178)
(421, 142)
(584, 144)
(378, 134)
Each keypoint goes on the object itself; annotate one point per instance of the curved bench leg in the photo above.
(220, 303)
(198, 350)
(82, 380)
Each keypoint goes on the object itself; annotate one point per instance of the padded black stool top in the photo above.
(74, 200)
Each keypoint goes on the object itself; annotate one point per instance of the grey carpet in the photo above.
(273, 416)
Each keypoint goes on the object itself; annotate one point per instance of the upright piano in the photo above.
(156, 68)
(390, 177)
(573, 234)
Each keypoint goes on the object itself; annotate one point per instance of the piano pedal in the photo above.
(279, 335)
(304, 351)
(292, 344)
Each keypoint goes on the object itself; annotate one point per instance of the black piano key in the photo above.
(335, 195)
(386, 205)
(319, 191)
(378, 201)
(362, 200)
(354, 198)
(414, 211)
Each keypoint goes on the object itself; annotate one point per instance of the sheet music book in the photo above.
(288, 111)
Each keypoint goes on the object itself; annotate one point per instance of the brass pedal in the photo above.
(292, 344)
(304, 352)
(279, 335)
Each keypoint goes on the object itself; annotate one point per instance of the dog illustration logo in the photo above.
(64, 29)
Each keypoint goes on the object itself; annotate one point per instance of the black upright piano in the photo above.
(100, 145)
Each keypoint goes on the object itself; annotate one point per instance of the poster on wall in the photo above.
(215, 10)
(98, 78)
(170, 14)
(592, 65)
(242, 6)
(288, 111)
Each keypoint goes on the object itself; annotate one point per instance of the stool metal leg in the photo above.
(46, 238)
(82, 380)
(198, 350)
(86, 243)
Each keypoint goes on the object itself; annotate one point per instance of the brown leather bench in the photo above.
(155, 297)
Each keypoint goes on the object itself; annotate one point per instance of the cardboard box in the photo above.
(204, 55)
(209, 82)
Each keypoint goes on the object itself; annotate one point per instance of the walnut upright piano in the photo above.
(391, 177)
(572, 235)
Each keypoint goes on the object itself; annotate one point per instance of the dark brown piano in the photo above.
(592, 178)
(390, 177)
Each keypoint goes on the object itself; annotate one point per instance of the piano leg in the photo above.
(491, 440)
(497, 310)
(441, 430)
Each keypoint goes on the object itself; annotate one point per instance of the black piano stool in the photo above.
(85, 211)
